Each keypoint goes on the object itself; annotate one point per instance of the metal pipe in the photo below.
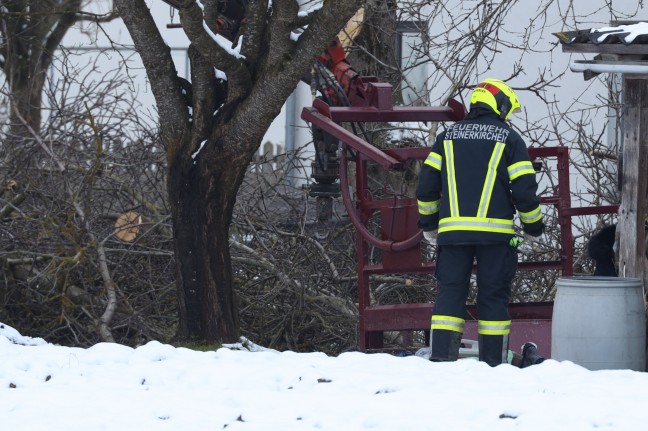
(290, 113)
(361, 229)
(608, 67)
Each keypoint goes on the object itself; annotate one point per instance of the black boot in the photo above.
(493, 349)
(444, 345)
(530, 355)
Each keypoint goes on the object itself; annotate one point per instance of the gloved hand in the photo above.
(430, 236)
(525, 243)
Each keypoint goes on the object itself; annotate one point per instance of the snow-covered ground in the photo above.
(160, 387)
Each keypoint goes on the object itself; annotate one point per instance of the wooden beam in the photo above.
(606, 48)
(616, 23)
(633, 208)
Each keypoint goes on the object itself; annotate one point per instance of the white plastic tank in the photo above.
(600, 323)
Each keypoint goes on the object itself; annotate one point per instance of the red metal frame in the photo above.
(400, 236)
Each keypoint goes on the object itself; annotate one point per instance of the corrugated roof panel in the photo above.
(628, 34)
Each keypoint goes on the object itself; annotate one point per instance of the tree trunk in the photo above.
(25, 106)
(202, 199)
(31, 32)
(202, 188)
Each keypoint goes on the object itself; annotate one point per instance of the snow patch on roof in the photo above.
(627, 32)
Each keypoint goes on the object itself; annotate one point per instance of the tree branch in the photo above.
(193, 23)
(159, 65)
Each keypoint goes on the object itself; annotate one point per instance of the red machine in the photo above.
(367, 100)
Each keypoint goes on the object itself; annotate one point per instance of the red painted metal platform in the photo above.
(399, 239)
(530, 322)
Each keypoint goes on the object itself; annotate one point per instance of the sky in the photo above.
(247, 387)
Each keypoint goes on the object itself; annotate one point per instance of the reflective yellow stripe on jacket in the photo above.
(487, 191)
(448, 147)
(434, 159)
(480, 222)
(428, 208)
(483, 224)
(531, 216)
(516, 170)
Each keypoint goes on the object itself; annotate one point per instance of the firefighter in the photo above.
(476, 176)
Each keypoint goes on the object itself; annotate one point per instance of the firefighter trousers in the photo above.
(496, 267)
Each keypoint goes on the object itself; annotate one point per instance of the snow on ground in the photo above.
(160, 387)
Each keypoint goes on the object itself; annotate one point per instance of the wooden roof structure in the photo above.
(623, 48)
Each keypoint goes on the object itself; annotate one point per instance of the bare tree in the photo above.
(72, 271)
(210, 146)
(31, 31)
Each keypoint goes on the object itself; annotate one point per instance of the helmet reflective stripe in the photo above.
(493, 327)
(518, 169)
(428, 208)
(476, 224)
(490, 87)
(448, 146)
(434, 160)
(487, 191)
(531, 216)
(448, 323)
(498, 96)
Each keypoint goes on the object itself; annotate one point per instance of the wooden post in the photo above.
(633, 208)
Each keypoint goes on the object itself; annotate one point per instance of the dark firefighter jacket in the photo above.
(477, 174)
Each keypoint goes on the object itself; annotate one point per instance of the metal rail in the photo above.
(399, 235)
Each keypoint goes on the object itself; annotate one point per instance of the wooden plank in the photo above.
(606, 48)
(618, 22)
(633, 208)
